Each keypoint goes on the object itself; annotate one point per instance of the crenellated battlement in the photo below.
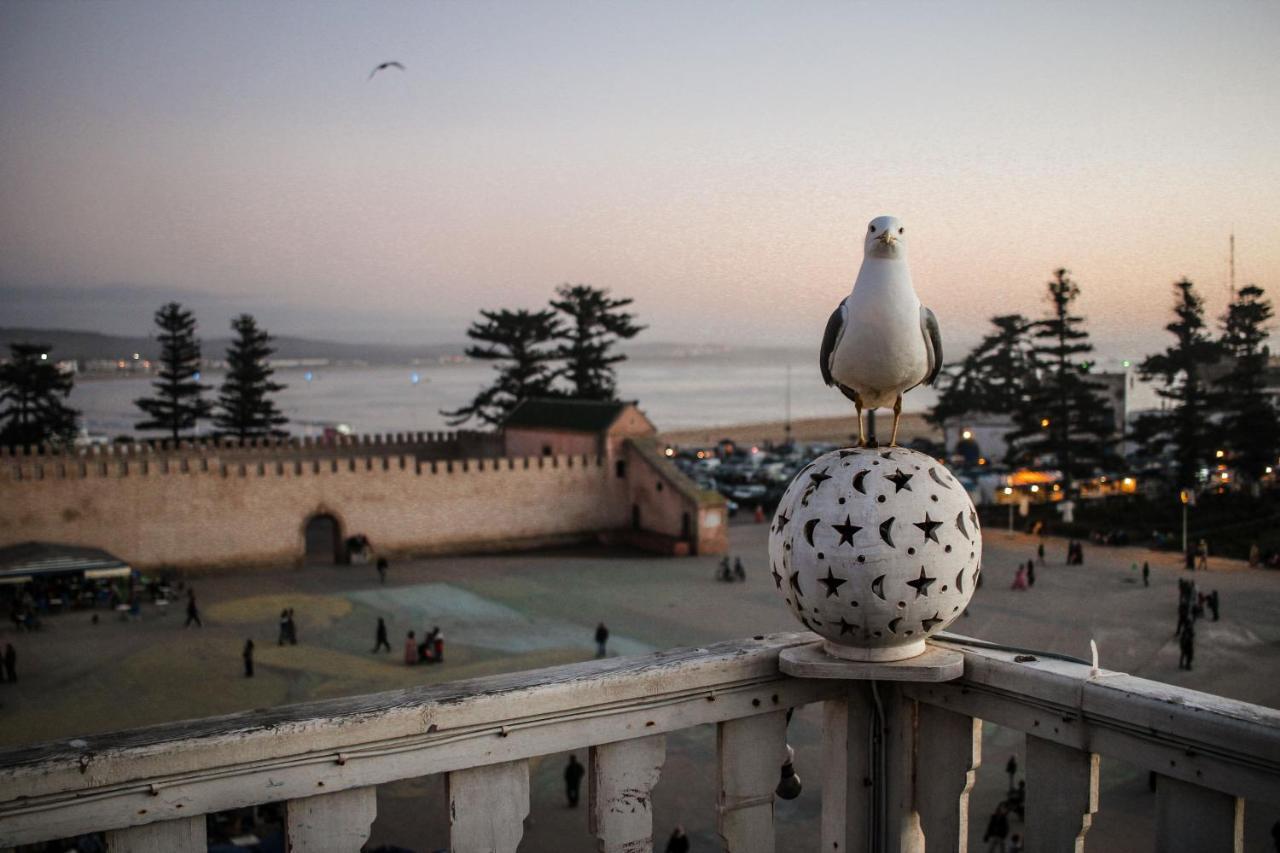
(198, 462)
(336, 445)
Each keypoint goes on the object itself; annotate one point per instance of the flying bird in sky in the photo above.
(385, 65)
(880, 341)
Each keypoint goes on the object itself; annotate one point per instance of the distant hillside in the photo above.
(73, 343)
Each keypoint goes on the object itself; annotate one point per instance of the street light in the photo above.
(966, 435)
(1220, 454)
(1044, 423)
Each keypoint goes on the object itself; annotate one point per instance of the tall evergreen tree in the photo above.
(1064, 417)
(1185, 424)
(177, 403)
(32, 391)
(245, 407)
(595, 324)
(519, 341)
(1251, 424)
(993, 377)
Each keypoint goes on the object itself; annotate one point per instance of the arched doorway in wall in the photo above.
(323, 541)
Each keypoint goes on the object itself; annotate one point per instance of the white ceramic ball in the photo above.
(875, 549)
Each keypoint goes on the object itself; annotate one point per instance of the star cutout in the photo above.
(783, 518)
(832, 583)
(921, 584)
(794, 580)
(819, 477)
(846, 627)
(777, 578)
(929, 527)
(901, 479)
(927, 624)
(846, 531)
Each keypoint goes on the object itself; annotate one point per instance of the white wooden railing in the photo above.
(900, 758)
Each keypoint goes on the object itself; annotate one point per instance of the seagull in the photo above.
(385, 66)
(880, 341)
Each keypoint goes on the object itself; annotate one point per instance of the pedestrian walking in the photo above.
(437, 644)
(382, 565)
(1213, 604)
(1187, 646)
(1202, 556)
(1146, 573)
(739, 571)
(10, 663)
(1011, 767)
(997, 829)
(725, 573)
(1040, 552)
(380, 638)
(410, 650)
(678, 842)
(248, 658)
(284, 628)
(193, 612)
(1031, 572)
(602, 638)
(292, 628)
(573, 774)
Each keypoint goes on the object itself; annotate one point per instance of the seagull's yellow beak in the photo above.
(887, 237)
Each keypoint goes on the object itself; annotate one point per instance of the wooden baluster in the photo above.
(1190, 817)
(1062, 795)
(750, 754)
(622, 778)
(948, 751)
(185, 835)
(902, 822)
(846, 772)
(487, 807)
(331, 823)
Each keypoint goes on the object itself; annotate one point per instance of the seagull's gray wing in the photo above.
(830, 340)
(932, 343)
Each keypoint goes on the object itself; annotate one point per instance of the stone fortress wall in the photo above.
(198, 505)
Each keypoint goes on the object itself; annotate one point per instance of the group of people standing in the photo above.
(430, 650)
(730, 574)
(1075, 553)
(996, 836)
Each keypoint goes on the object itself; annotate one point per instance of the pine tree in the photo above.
(1185, 425)
(245, 408)
(519, 342)
(32, 390)
(595, 324)
(1064, 418)
(177, 403)
(1251, 424)
(993, 377)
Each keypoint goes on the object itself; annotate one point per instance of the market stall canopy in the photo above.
(30, 560)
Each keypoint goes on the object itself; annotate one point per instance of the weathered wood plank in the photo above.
(902, 831)
(622, 778)
(453, 730)
(487, 807)
(185, 835)
(331, 823)
(846, 771)
(1062, 796)
(1190, 818)
(750, 753)
(1197, 737)
(948, 751)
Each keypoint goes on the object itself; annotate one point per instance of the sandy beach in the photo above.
(838, 430)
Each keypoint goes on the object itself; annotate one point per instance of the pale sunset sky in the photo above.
(717, 161)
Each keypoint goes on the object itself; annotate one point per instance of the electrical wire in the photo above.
(999, 647)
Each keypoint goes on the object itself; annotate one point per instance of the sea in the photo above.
(681, 389)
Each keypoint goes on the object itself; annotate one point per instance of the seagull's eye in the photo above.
(900, 230)
(871, 228)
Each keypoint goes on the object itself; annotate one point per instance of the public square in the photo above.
(521, 611)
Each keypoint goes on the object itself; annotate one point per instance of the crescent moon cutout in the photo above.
(893, 624)
(933, 472)
(960, 524)
(857, 481)
(886, 531)
(960, 582)
(877, 587)
(808, 530)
